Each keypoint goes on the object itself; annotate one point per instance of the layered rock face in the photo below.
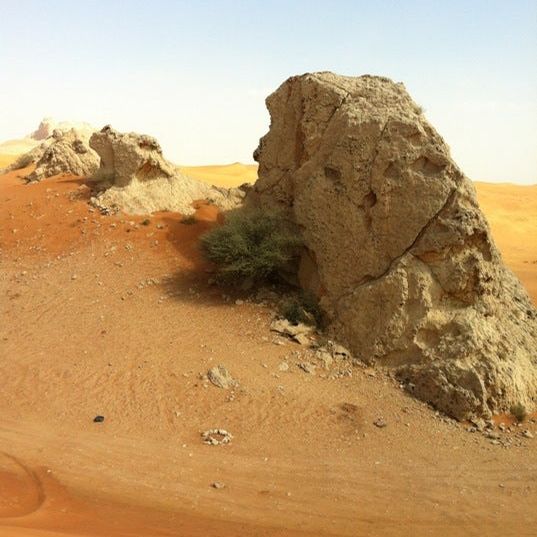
(65, 152)
(397, 248)
(139, 180)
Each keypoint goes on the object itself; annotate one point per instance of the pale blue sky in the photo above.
(195, 74)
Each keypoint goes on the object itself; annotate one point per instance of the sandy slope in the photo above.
(83, 332)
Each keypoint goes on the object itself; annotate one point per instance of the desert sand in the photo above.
(107, 315)
(6, 159)
(228, 175)
(10, 150)
(512, 214)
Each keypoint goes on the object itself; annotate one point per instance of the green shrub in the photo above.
(519, 412)
(303, 308)
(252, 246)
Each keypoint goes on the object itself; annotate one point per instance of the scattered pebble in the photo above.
(307, 367)
(221, 377)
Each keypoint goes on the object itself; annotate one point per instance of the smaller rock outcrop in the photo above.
(62, 153)
(137, 179)
(30, 149)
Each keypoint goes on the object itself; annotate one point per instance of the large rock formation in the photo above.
(139, 180)
(396, 246)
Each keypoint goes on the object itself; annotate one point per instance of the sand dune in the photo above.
(227, 175)
(6, 160)
(512, 214)
(10, 150)
(17, 147)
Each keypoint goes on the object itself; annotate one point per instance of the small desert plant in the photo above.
(188, 220)
(519, 412)
(252, 246)
(303, 308)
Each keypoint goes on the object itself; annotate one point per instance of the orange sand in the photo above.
(512, 214)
